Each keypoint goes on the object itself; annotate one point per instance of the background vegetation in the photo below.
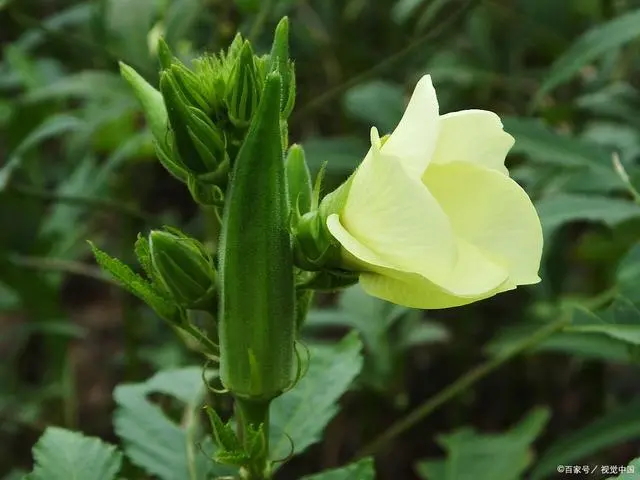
(77, 163)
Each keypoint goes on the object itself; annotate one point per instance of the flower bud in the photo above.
(299, 181)
(184, 268)
(315, 249)
(198, 145)
(279, 60)
(243, 89)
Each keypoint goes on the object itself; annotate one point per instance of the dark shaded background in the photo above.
(76, 163)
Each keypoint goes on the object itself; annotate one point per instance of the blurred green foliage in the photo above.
(77, 162)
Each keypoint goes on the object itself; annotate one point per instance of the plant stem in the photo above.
(253, 415)
(460, 385)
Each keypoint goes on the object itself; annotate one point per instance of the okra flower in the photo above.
(431, 218)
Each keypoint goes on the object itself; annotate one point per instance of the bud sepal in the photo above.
(184, 268)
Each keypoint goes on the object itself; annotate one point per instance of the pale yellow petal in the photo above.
(474, 136)
(473, 277)
(414, 139)
(395, 216)
(415, 292)
(492, 212)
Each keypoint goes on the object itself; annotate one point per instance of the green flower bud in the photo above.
(198, 145)
(184, 268)
(279, 60)
(257, 337)
(234, 49)
(189, 85)
(164, 54)
(315, 249)
(243, 88)
(299, 181)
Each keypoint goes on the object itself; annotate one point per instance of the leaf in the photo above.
(79, 14)
(151, 440)
(386, 329)
(51, 127)
(128, 23)
(621, 319)
(616, 100)
(135, 284)
(181, 16)
(304, 412)
(542, 144)
(62, 455)
(629, 472)
(588, 47)
(556, 210)
(613, 428)
(475, 456)
(628, 274)
(83, 85)
(432, 469)
(151, 101)
(377, 103)
(579, 344)
(361, 470)
(403, 9)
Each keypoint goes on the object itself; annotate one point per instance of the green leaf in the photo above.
(79, 14)
(621, 319)
(403, 9)
(628, 274)
(51, 127)
(135, 284)
(152, 103)
(475, 456)
(579, 344)
(588, 47)
(613, 428)
(432, 469)
(304, 412)
(152, 441)
(376, 321)
(97, 85)
(630, 472)
(128, 23)
(556, 210)
(361, 470)
(377, 103)
(62, 455)
(180, 18)
(546, 146)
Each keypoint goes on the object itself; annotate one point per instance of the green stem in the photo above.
(460, 385)
(252, 415)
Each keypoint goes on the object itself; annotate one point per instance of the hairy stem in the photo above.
(253, 415)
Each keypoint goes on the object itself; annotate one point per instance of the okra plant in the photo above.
(430, 219)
